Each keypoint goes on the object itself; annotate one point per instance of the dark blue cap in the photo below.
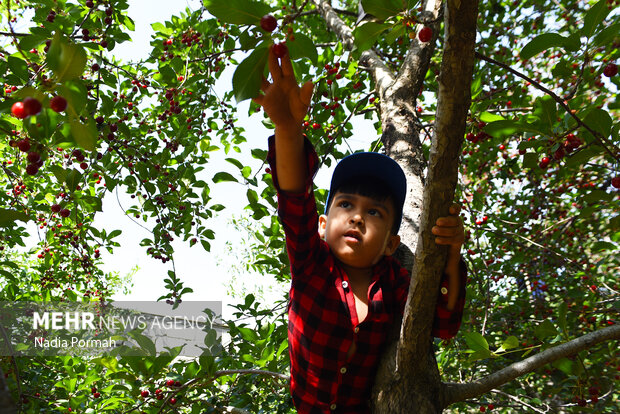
(372, 164)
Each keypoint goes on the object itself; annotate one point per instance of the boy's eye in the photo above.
(344, 204)
(374, 212)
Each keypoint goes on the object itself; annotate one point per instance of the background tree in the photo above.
(539, 179)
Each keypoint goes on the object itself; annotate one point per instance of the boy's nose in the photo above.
(356, 218)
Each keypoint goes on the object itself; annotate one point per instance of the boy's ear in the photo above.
(392, 244)
(322, 225)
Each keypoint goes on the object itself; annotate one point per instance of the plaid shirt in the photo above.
(323, 320)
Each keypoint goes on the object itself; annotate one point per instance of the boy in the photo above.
(346, 288)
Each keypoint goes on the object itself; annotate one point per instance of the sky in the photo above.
(208, 274)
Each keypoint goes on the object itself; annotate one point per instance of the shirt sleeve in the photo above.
(298, 213)
(447, 323)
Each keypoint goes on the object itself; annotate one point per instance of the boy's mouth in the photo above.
(353, 234)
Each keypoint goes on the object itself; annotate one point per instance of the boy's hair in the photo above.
(372, 187)
(373, 175)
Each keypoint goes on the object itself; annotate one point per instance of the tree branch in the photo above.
(458, 392)
(381, 74)
(602, 141)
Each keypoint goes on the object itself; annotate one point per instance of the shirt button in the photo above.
(343, 370)
(332, 407)
(444, 290)
(357, 329)
(345, 284)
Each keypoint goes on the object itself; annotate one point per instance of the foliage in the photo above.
(537, 173)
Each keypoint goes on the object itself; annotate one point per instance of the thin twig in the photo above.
(602, 141)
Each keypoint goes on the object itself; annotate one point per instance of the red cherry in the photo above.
(83, 165)
(610, 70)
(64, 212)
(170, 383)
(33, 157)
(144, 393)
(96, 394)
(616, 182)
(280, 49)
(55, 208)
(32, 169)
(18, 110)
(425, 34)
(58, 104)
(172, 401)
(24, 145)
(544, 163)
(268, 23)
(32, 106)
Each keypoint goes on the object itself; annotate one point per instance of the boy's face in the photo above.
(358, 229)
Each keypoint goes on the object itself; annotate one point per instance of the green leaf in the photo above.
(223, 176)
(59, 172)
(367, 34)
(607, 35)
(603, 245)
(302, 47)
(545, 329)
(248, 76)
(19, 68)
(383, 9)
(503, 128)
(8, 217)
(160, 27)
(545, 108)
(237, 11)
(85, 135)
(509, 343)
(594, 17)
(75, 93)
(582, 156)
(73, 179)
(600, 121)
(480, 354)
(541, 43)
(565, 365)
(489, 117)
(397, 31)
(562, 316)
(476, 341)
(144, 342)
(66, 60)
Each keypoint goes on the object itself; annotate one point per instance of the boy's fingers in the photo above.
(287, 66)
(264, 84)
(305, 95)
(274, 66)
(449, 221)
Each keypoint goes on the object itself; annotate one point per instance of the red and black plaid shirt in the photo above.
(323, 321)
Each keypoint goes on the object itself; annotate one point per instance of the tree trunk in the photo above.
(408, 380)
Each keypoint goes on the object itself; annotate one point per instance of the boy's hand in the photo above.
(450, 229)
(283, 100)
(450, 232)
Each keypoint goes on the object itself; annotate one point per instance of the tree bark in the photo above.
(411, 381)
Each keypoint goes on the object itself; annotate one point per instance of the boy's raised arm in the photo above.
(286, 104)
